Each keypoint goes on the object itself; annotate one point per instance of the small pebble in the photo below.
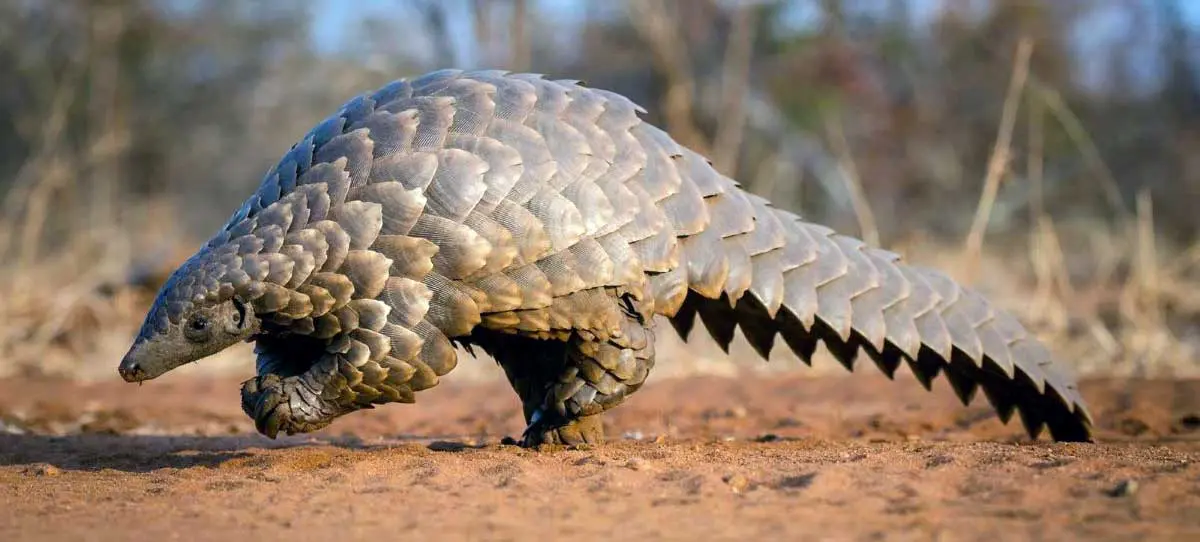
(263, 477)
(637, 463)
(587, 460)
(1124, 488)
(737, 482)
(634, 435)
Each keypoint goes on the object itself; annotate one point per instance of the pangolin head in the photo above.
(197, 313)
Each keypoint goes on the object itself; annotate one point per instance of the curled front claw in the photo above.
(268, 401)
(263, 399)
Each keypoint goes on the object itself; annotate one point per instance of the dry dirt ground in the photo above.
(700, 458)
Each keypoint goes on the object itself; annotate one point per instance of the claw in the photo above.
(250, 392)
(262, 399)
(546, 428)
(269, 417)
(268, 426)
(533, 428)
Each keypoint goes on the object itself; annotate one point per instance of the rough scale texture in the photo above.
(545, 223)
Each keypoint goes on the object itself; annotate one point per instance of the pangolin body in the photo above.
(544, 222)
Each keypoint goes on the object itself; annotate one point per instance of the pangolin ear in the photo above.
(239, 318)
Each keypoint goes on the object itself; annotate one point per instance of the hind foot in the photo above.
(552, 429)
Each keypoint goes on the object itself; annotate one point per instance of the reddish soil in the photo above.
(701, 458)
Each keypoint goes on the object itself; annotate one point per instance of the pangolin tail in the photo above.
(819, 286)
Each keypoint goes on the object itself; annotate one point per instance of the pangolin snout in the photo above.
(133, 367)
(130, 370)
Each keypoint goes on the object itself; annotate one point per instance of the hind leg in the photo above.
(596, 375)
(565, 387)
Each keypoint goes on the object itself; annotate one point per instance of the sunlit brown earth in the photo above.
(700, 458)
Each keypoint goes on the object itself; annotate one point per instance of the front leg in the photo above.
(292, 394)
(299, 403)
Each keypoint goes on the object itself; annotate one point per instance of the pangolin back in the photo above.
(458, 200)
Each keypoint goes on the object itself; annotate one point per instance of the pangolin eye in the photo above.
(197, 328)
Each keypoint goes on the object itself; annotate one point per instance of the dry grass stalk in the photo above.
(1045, 251)
(1189, 259)
(858, 199)
(998, 163)
(1146, 268)
(654, 21)
(735, 80)
(1083, 141)
(1141, 297)
(1046, 255)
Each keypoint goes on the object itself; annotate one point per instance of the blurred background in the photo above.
(1045, 151)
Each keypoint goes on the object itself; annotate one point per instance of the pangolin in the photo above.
(544, 222)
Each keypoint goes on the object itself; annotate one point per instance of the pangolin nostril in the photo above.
(131, 372)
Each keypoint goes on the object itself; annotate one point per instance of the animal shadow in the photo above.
(142, 453)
